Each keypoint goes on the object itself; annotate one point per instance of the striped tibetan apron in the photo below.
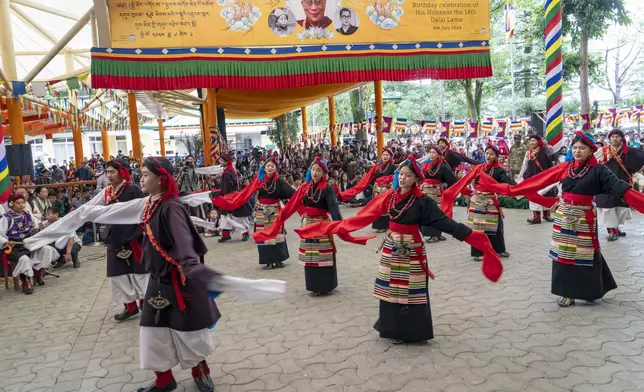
(266, 213)
(382, 184)
(316, 252)
(432, 188)
(402, 275)
(574, 239)
(483, 213)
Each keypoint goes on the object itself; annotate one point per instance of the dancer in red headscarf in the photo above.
(240, 218)
(402, 279)
(437, 172)
(579, 270)
(624, 162)
(538, 158)
(484, 212)
(126, 274)
(316, 202)
(381, 178)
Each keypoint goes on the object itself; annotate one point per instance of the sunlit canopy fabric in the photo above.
(249, 104)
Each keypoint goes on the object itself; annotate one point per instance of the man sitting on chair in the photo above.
(16, 225)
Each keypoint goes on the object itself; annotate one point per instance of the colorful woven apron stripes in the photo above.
(483, 213)
(382, 184)
(316, 252)
(433, 189)
(574, 240)
(265, 214)
(402, 275)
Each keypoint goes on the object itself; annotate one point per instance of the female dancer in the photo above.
(317, 201)
(484, 212)
(381, 177)
(436, 173)
(538, 158)
(579, 270)
(453, 158)
(401, 282)
(274, 252)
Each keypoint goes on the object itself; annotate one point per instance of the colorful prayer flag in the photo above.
(5, 182)
(510, 20)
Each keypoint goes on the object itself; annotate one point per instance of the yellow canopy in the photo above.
(249, 104)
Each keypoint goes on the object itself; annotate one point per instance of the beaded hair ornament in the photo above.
(319, 162)
(413, 165)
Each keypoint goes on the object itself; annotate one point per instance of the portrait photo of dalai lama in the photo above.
(348, 22)
(314, 14)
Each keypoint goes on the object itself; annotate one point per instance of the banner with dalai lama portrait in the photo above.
(275, 44)
(199, 23)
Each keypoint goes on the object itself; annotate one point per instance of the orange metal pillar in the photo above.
(78, 143)
(161, 138)
(16, 125)
(211, 123)
(334, 136)
(105, 141)
(305, 126)
(380, 137)
(134, 126)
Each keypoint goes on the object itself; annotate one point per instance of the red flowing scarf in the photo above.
(235, 200)
(492, 268)
(294, 205)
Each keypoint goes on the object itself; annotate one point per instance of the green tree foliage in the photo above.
(285, 129)
(584, 20)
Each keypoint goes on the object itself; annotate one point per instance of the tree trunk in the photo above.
(478, 98)
(470, 97)
(357, 111)
(583, 74)
(618, 83)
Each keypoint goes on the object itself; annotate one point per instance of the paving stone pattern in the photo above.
(509, 336)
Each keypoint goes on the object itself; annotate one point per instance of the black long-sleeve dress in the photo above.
(485, 212)
(435, 176)
(402, 280)
(276, 250)
(632, 162)
(230, 184)
(579, 269)
(120, 237)
(318, 255)
(454, 159)
(175, 234)
(536, 163)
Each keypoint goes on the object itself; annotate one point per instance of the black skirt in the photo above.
(585, 283)
(381, 223)
(411, 323)
(17, 252)
(497, 240)
(119, 267)
(321, 279)
(271, 254)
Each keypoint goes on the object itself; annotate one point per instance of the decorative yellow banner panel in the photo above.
(247, 23)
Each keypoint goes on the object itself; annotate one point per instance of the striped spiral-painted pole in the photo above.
(554, 73)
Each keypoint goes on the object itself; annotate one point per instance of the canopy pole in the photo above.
(161, 138)
(106, 144)
(334, 136)
(380, 137)
(7, 55)
(211, 100)
(305, 126)
(134, 126)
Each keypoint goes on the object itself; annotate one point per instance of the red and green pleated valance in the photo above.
(286, 67)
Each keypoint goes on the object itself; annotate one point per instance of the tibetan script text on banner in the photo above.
(204, 23)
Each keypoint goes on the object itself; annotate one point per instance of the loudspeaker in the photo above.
(221, 124)
(19, 160)
(538, 120)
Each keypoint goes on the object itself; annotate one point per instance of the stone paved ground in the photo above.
(489, 337)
